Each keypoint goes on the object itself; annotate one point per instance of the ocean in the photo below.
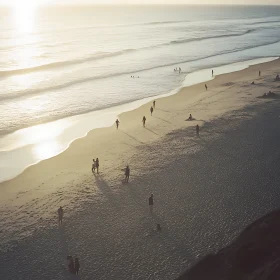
(57, 63)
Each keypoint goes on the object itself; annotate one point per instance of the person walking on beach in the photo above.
(60, 215)
(151, 203)
(197, 130)
(180, 70)
(117, 123)
(97, 165)
(77, 266)
(93, 166)
(144, 121)
(127, 174)
(151, 110)
(212, 73)
(206, 87)
(154, 104)
(260, 73)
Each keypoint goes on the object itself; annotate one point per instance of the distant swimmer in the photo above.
(197, 130)
(154, 104)
(151, 110)
(117, 123)
(206, 87)
(144, 121)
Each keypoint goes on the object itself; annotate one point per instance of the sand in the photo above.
(206, 188)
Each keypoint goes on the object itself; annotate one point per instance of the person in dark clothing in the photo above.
(93, 166)
(197, 130)
(154, 104)
(77, 266)
(97, 165)
(206, 87)
(144, 121)
(151, 110)
(212, 73)
(260, 73)
(127, 174)
(60, 215)
(71, 266)
(151, 203)
(117, 123)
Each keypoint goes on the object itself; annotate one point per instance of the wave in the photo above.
(102, 55)
(27, 93)
(212, 37)
(60, 64)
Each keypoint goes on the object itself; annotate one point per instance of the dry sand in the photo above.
(206, 189)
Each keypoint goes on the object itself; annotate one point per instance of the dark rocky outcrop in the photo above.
(253, 255)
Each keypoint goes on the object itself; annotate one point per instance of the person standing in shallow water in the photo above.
(197, 130)
(97, 165)
(212, 73)
(260, 73)
(117, 123)
(60, 215)
(151, 203)
(144, 121)
(151, 110)
(154, 104)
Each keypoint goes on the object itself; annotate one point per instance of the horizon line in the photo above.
(148, 5)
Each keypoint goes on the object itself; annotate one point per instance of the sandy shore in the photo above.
(107, 223)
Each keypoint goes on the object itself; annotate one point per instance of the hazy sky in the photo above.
(248, 2)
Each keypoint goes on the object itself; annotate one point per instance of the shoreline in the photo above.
(47, 148)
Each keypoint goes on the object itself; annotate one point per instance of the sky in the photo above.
(131, 2)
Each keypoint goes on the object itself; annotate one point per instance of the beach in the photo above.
(206, 189)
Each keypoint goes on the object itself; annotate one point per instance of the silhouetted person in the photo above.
(93, 166)
(190, 117)
(151, 110)
(206, 87)
(277, 78)
(260, 73)
(117, 123)
(154, 104)
(60, 215)
(70, 264)
(212, 73)
(77, 266)
(179, 70)
(144, 121)
(97, 165)
(197, 130)
(127, 174)
(151, 203)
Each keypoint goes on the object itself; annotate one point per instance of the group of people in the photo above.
(95, 165)
(177, 70)
(73, 266)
